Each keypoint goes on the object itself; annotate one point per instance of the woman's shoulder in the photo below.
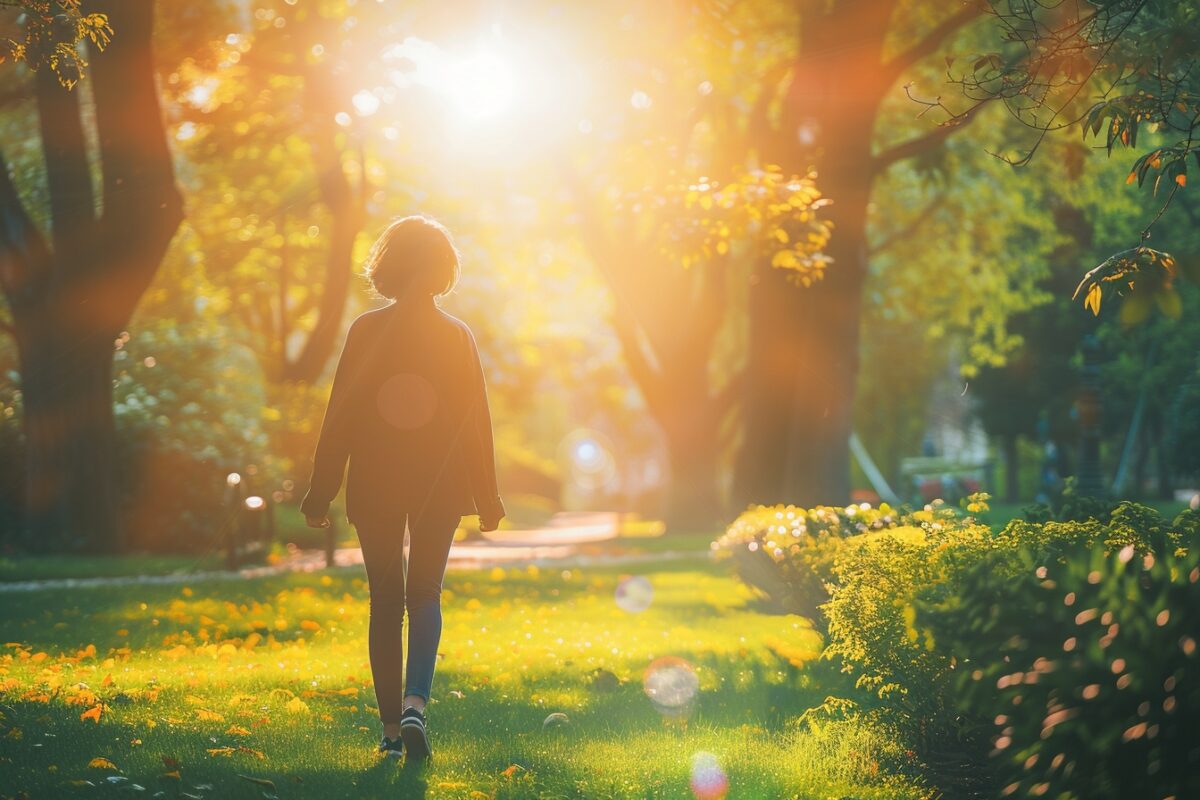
(462, 328)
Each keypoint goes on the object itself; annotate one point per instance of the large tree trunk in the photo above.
(802, 369)
(70, 440)
(69, 302)
(693, 447)
(804, 342)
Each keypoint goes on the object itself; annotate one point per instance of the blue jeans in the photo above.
(430, 537)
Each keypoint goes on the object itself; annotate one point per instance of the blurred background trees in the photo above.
(703, 242)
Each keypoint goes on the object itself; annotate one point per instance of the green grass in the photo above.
(26, 568)
(276, 669)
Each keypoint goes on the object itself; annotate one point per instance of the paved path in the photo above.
(569, 540)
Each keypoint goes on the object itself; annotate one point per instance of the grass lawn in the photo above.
(29, 568)
(183, 689)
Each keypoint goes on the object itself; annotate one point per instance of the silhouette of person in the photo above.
(409, 411)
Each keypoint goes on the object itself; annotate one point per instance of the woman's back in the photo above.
(410, 426)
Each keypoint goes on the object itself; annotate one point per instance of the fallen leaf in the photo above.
(208, 716)
(296, 706)
(92, 713)
(237, 730)
(266, 784)
(170, 762)
(102, 763)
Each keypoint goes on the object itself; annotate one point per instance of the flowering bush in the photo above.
(787, 552)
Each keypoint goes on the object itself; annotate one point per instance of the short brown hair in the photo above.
(413, 253)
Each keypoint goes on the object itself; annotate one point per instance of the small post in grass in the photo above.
(234, 483)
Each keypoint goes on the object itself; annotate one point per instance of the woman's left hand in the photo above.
(317, 522)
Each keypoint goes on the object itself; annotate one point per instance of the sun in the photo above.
(476, 84)
(480, 86)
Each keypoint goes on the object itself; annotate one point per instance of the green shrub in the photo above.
(1080, 662)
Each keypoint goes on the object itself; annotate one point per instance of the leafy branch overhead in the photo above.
(1113, 69)
(766, 211)
(53, 30)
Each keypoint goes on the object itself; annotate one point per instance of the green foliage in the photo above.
(1080, 661)
(53, 30)
(1110, 69)
(189, 409)
(917, 619)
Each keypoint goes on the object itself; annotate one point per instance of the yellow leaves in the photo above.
(15, 734)
(237, 730)
(231, 750)
(1092, 300)
(296, 706)
(349, 691)
(310, 625)
(38, 658)
(108, 680)
(92, 713)
(204, 715)
(102, 763)
(781, 235)
(178, 651)
(722, 247)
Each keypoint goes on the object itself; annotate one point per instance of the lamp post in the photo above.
(234, 481)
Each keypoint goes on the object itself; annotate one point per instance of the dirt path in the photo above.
(568, 541)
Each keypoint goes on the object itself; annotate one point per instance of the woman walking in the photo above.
(409, 411)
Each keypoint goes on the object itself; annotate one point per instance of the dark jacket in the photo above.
(409, 410)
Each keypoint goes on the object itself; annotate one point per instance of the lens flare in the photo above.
(709, 781)
(671, 684)
(406, 401)
(556, 722)
(634, 594)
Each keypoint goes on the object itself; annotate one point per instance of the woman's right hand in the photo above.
(317, 522)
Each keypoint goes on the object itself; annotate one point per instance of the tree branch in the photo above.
(24, 254)
(142, 204)
(927, 141)
(68, 173)
(930, 42)
(908, 229)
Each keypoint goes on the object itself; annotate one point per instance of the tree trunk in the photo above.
(803, 360)
(693, 500)
(804, 342)
(70, 301)
(71, 496)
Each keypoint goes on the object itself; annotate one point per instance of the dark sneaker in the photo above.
(412, 731)
(392, 748)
